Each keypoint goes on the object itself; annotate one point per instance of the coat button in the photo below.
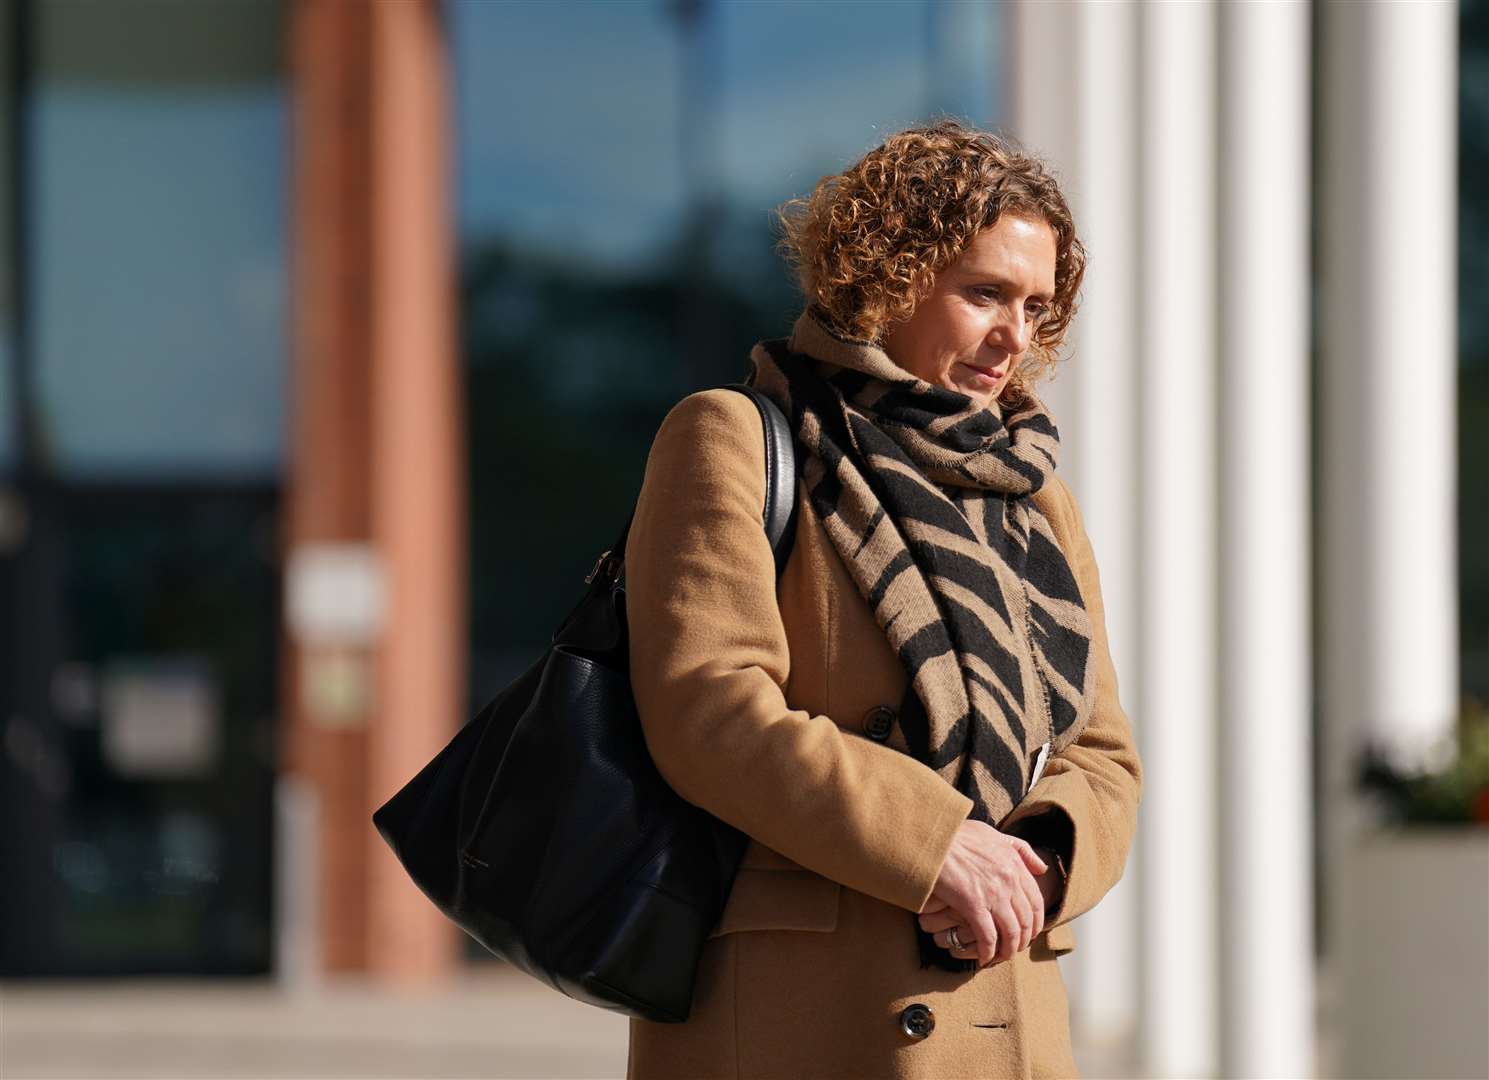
(878, 722)
(917, 1021)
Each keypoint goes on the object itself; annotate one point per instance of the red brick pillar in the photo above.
(418, 490)
(375, 461)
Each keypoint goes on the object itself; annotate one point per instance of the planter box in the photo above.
(1415, 954)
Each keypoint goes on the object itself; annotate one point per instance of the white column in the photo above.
(1085, 121)
(1388, 634)
(1105, 363)
(1042, 116)
(1266, 814)
(1177, 412)
(1388, 383)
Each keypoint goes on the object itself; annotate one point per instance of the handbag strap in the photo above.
(780, 490)
(780, 474)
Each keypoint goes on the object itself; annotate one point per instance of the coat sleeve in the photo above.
(709, 660)
(1085, 804)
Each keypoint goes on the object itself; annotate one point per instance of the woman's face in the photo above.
(971, 331)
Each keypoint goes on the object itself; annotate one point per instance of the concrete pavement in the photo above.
(490, 1022)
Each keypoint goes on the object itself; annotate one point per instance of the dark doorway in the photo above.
(141, 384)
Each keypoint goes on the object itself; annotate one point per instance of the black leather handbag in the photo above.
(544, 830)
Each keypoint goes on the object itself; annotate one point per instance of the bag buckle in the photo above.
(606, 563)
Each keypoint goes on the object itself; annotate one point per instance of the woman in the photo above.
(918, 725)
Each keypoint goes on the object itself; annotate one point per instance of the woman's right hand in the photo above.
(987, 880)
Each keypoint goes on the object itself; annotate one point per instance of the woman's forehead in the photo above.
(1012, 248)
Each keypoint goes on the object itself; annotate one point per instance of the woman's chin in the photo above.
(982, 390)
(981, 394)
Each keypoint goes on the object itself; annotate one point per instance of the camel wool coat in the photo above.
(774, 707)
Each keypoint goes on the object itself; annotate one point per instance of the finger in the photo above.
(940, 920)
(1031, 857)
(986, 932)
(1010, 943)
(1008, 922)
(987, 952)
(1026, 909)
(1036, 901)
(960, 952)
(943, 937)
(1008, 937)
(948, 914)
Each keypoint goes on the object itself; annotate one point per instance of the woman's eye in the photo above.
(1036, 310)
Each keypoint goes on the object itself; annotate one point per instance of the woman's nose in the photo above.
(1011, 332)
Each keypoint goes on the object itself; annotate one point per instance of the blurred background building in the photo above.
(333, 334)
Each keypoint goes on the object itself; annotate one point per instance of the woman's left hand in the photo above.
(938, 919)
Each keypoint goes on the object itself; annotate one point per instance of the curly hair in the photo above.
(868, 242)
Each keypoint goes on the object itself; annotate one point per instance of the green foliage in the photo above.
(1455, 795)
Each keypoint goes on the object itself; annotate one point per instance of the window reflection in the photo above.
(617, 168)
(7, 253)
(157, 236)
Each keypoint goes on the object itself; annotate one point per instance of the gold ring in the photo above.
(956, 942)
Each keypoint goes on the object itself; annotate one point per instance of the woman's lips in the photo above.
(985, 375)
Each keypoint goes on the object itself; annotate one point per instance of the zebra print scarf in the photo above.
(926, 497)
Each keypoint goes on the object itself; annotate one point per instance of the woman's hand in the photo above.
(987, 885)
(939, 919)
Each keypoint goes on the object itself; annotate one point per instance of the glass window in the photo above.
(617, 166)
(157, 246)
(7, 248)
(752, 100)
(1473, 343)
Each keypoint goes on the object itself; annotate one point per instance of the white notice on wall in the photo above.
(335, 594)
(160, 717)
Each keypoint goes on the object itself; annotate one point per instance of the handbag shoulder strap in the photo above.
(780, 491)
(780, 474)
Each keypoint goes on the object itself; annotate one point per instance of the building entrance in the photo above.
(142, 362)
(138, 744)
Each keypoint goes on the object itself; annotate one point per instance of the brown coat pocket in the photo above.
(780, 900)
